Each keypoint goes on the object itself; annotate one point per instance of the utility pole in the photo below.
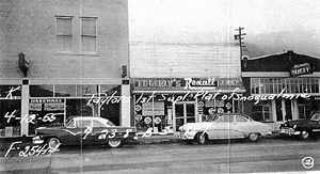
(239, 37)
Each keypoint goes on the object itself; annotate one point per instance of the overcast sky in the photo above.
(272, 25)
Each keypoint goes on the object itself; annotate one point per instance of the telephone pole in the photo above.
(239, 37)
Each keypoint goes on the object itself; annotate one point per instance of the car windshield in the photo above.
(70, 123)
(109, 123)
(212, 118)
(315, 117)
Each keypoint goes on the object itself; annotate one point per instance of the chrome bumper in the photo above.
(289, 131)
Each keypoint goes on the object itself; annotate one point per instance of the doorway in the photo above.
(184, 113)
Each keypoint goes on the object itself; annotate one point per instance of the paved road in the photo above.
(222, 157)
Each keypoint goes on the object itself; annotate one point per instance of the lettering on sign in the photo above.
(300, 69)
(192, 83)
(158, 83)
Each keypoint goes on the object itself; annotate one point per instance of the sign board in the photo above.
(168, 84)
(150, 108)
(301, 69)
(46, 104)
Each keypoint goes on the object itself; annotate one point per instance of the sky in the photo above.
(271, 25)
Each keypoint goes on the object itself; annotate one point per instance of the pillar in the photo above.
(125, 105)
(294, 109)
(283, 109)
(24, 108)
(274, 110)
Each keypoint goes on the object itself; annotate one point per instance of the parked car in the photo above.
(225, 126)
(86, 131)
(302, 128)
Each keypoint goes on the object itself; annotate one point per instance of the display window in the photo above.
(52, 105)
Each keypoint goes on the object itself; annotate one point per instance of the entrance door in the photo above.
(184, 113)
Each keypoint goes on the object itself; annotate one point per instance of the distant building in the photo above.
(55, 56)
(286, 85)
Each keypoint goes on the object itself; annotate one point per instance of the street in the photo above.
(268, 155)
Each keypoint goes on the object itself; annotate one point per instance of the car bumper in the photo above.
(37, 140)
(187, 135)
(289, 132)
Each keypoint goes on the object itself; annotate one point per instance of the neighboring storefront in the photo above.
(287, 84)
(31, 104)
(163, 104)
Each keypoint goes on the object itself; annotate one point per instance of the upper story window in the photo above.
(64, 32)
(88, 34)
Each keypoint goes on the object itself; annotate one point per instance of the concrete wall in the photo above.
(29, 26)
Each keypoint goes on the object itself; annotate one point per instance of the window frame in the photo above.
(89, 36)
(57, 17)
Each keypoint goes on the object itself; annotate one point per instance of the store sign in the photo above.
(156, 108)
(46, 104)
(158, 83)
(192, 83)
(186, 83)
(301, 69)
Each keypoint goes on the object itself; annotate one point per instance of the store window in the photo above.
(154, 114)
(10, 110)
(262, 112)
(52, 105)
(286, 85)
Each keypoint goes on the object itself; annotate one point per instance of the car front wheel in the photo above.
(54, 142)
(304, 135)
(253, 137)
(201, 138)
(114, 143)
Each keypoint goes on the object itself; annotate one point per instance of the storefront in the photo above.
(287, 83)
(162, 105)
(38, 103)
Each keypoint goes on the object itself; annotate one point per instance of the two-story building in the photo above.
(60, 59)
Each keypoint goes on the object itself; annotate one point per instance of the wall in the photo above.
(30, 27)
(151, 60)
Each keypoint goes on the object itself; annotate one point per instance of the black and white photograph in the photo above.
(159, 86)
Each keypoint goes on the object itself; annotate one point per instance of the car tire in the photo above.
(304, 135)
(114, 143)
(253, 137)
(53, 142)
(202, 138)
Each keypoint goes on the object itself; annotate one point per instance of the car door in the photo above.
(100, 131)
(72, 132)
(217, 128)
(239, 127)
(85, 134)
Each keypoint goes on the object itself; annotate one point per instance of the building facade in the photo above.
(286, 85)
(60, 59)
(174, 84)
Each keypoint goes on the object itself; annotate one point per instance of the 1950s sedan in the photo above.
(302, 128)
(86, 131)
(225, 126)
